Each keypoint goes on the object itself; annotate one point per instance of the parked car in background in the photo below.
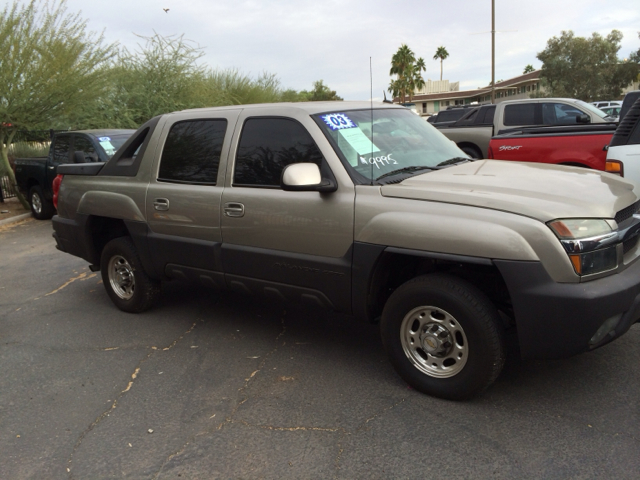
(450, 115)
(607, 103)
(574, 145)
(624, 149)
(34, 175)
(472, 133)
(612, 111)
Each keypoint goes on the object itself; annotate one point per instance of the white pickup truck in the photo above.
(624, 149)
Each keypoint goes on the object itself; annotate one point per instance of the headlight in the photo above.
(590, 244)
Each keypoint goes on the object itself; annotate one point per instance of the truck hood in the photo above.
(541, 191)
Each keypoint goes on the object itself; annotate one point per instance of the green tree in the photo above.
(528, 69)
(50, 66)
(635, 58)
(441, 54)
(408, 73)
(320, 92)
(585, 68)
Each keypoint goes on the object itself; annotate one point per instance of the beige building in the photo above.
(437, 95)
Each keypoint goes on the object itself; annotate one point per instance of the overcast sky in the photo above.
(302, 41)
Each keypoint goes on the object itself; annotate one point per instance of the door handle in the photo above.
(51, 167)
(233, 209)
(161, 204)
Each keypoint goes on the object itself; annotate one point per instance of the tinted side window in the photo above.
(520, 114)
(191, 152)
(84, 145)
(559, 114)
(469, 119)
(489, 113)
(61, 150)
(450, 115)
(267, 145)
(634, 138)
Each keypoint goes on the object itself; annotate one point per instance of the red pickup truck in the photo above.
(579, 145)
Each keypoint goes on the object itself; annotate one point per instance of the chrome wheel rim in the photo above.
(434, 342)
(121, 277)
(36, 203)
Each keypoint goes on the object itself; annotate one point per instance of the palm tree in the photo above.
(528, 69)
(408, 71)
(400, 63)
(442, 54)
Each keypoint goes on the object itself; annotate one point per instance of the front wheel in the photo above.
(126, 282)
(41, 208)
(443, 336)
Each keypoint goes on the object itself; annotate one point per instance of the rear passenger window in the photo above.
(61, 150)
(191, 152)
(520, 114)
(469, 119)
(267, 145)
(488, 116)
(84, 145)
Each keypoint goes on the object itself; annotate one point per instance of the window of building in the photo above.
(267, 145)
(191, 152)
(424, 107)
(446, 103)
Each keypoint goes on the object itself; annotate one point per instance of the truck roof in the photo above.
(309, 107)
(101, 132)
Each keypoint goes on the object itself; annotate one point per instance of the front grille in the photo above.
(627, 213)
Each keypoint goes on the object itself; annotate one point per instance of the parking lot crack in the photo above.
(152, 351)
(378, 415)
(242, 398)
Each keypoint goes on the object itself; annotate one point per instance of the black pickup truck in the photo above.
(35, 175)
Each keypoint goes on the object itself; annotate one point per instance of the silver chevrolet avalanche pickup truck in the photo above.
(369, 210)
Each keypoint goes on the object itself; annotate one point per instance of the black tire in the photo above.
(126, 282)
(472, 152)
(41, 208)
(443, 336)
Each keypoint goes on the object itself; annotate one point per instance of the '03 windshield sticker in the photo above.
(383, 160)
(338, 121)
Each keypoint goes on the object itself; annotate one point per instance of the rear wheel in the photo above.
(41, 208)
(443, 336)
(473, 152)
(126, 282)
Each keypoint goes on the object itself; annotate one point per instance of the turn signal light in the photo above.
(615, 167)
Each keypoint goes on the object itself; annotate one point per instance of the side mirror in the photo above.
(305, 177)
(584, 118)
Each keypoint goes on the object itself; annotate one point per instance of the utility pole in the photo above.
(493, 51)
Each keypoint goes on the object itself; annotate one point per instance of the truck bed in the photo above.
(578, 145)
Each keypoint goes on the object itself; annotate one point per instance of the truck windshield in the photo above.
(113, 142)
(375, 143)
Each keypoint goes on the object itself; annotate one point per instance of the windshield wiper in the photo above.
(405, 170)
(452, 161)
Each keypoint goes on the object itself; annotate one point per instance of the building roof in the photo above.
(509, 83)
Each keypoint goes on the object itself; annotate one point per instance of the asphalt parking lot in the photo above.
(213, 385)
